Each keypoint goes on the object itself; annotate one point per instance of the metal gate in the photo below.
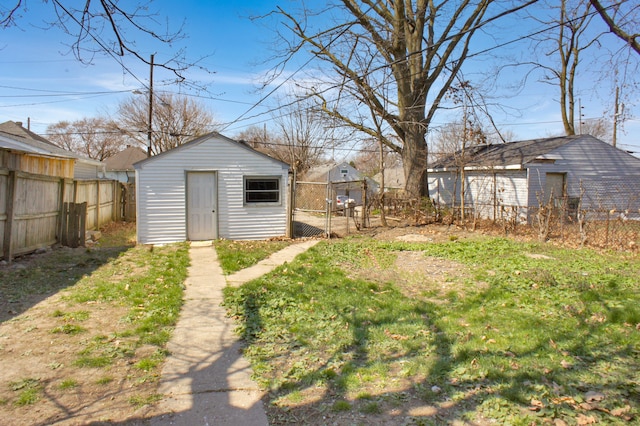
(316, 213)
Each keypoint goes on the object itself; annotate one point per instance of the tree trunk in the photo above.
(414, 160)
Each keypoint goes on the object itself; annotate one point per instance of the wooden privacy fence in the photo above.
(32, 209)
(74, 221)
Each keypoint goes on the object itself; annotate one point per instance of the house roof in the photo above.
(201, 139)
(13, 128)
(319, 173)
(393, 177)
(17, 137)
(506, 154)
(125, 159)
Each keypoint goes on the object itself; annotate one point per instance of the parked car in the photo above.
(343, 201)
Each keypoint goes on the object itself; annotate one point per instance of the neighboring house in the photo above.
(211, 187)
(120, 166)
(14, 157)
(505, 178)
(345, 179)
(14, 136)
(393, 179)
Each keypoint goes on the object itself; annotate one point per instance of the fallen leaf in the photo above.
(582, 420)
(552, 343)
(395, 336)
(559, 422)
(593, 396)
(563, 399)
(536, 405)
(622, 412)
(565, 364)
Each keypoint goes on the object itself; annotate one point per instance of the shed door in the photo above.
(202, 218)
(554, 186)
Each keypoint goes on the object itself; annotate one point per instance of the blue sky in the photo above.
(41, 81)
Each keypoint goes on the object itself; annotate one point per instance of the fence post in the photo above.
(97, 204)
(61, 201)
(292, 194)
(116, 196)
(12, 182)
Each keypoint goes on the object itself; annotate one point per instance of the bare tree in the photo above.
(368, 161)
(423, 44)
(105, 26)
(622, 18)
(303, 135)
(565, 48)
(257, 137)
(97, 138)
(176, 119)
(597, 127)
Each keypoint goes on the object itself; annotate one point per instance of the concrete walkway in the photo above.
(205, 380)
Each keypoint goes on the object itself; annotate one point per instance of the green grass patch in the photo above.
(92, 361)
(151, 362)
(237, 255)
(71, 316)
(524, 328)
(70, 329)
(68, 384)
(150, 283)
(141, 400)
(341, 405)
(29, 391)
(104, 380)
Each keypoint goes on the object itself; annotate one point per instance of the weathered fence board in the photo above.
(32, 209)
(74, 216)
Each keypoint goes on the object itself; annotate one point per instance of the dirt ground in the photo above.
(38, 349)
(39, 345)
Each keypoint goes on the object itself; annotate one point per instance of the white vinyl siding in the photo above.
(161, 191)
(492, 193)
(602, 176)
(88, 170)
(609, 177)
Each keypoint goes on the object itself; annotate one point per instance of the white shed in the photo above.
(211, 187)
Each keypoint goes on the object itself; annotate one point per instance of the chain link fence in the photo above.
(317, 212)
(603, 214)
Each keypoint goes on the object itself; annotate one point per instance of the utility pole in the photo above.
(580, 116)
(150, 128)
(615, 116)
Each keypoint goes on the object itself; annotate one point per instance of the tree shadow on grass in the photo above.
(30, 279)
(551, 379)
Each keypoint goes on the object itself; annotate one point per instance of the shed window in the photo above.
(261, 190)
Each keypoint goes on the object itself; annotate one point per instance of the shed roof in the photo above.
(507, 154)
(201, 139)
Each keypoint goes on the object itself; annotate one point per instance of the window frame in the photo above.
(266, 178)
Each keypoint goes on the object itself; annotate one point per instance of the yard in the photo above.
(83, 331)
(429, 328)
(415, 326)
